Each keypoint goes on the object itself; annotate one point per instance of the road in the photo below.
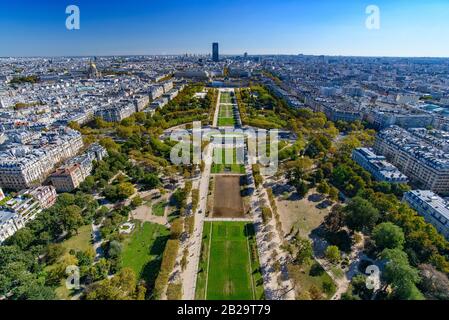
(194, 245)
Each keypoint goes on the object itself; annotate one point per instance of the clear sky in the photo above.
(330, 27)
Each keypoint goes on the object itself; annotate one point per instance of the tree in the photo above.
(333, 254)
(328, 286)
(302, 188)
(125, 190)
(323, 187)
(123, 286)
(319, 176)
(110, 192)
(305, 251)
(388, 236)
(267, 214)
(57, 271)
(348, 144)
(54, 252)
(359, 287)
(177, 228)
(136, 202)
(109, 144)
(317, 146)
(180, 196)
(335, 220)
(22, 238)
(333, 193)
(115, 249)
(360, 215)
(434, 284)
(151, 181)
(72, 219)
(88, 185)
(66, 199)
(400, 275)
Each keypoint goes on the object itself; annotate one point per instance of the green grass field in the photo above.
(226, 111)
(229, 266)
(226, 97)
(142, 250)
(226, 116)
(158, 209)
(81, 241)
(226, 122)
(221, 165)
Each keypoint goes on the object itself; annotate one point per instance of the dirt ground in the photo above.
(301, 214)
(228, 202)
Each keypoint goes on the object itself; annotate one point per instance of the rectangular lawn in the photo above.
(230, 267)
(226, 116)
(222, 162)
(225, 97)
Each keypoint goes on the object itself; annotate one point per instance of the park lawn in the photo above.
(226, 116)
(225, 97)
(305, 279)
(230, 263)
(223, 166)
(143, 249)
(226, 122)
(158, 209)
(228, 168)
(81, 241)
(226, 111)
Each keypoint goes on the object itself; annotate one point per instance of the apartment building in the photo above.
(67, 179)
(423, 163)
(8, 224)
(26, 166)
(378, 166)
(18, 211)
(116, 113)
(433, 208)
(155, 92)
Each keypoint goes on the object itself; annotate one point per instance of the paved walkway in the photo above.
(97, 240)
(190, 274)
(277, 284)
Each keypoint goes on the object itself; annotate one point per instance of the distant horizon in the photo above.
(224, 55)
(400, 28)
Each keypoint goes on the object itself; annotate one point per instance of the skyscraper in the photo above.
(215, 52)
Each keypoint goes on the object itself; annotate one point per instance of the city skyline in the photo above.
(280, 27)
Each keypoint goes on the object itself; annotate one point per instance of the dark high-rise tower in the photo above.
(215, 52)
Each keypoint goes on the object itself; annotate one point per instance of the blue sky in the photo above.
(330, 27)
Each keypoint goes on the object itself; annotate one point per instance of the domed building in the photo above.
(93, 72)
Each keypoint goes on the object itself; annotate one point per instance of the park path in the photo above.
(97, 240)
(277, 284)
(190, 273)
(357, 255)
